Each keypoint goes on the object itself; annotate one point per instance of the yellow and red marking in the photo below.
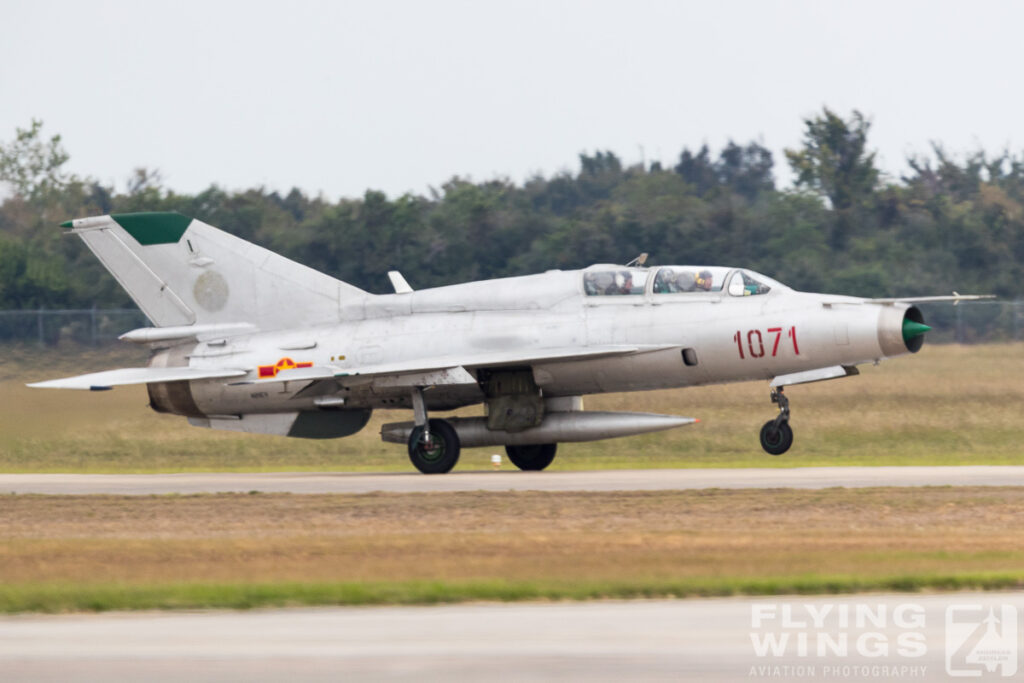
(283, 364)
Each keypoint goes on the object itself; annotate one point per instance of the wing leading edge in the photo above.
(441, 370)
(100, 381)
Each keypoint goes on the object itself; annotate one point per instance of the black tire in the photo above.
(532, 458)
(443, 454)
(776, 440)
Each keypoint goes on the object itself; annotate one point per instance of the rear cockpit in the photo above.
(607, 280)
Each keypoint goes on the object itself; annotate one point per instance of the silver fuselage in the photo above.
(728, 338)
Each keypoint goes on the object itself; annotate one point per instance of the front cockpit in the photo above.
(606, 280)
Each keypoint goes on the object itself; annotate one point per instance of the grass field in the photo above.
(947, 405)
(106, 552)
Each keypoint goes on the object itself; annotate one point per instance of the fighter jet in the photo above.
(245, 340)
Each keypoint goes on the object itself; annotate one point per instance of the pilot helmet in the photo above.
(703, 280)
(684, 278)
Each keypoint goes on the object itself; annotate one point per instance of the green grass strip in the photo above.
(55, 598)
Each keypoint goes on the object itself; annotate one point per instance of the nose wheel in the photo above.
(777, 435)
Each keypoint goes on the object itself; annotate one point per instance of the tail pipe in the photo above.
(901, 330)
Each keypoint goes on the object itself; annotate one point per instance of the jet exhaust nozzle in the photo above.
(901, 330)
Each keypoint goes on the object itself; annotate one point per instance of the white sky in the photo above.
(400, 96)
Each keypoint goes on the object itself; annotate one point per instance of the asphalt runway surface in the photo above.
(867, 637)
(604, 480)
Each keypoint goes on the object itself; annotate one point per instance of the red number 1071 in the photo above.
(755, 342)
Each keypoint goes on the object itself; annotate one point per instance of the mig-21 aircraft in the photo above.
(246, 340)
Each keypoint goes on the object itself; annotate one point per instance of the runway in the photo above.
(604, 480)
(904, 636)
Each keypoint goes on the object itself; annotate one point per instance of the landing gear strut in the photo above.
(777, 435)
(433, 444)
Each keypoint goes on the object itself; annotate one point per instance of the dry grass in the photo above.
(622, 538)
(946, 405)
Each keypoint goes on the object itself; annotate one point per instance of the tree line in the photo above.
(951, 222)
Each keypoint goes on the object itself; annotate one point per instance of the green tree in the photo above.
(599, 174)
(32, 165)
(955, 222)
(835, 162)
(747, 170)
(698, 170)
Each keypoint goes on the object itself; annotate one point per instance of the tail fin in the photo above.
(181, 271)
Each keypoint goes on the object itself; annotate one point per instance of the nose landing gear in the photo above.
(777, 435)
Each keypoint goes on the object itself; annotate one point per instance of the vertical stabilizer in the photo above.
(181, 271)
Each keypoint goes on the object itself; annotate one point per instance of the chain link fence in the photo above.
(974, 322)
(970, 322)
(86, 326)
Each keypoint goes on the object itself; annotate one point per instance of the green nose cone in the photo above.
(912, 329)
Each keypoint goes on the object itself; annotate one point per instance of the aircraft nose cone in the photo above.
(913, 329)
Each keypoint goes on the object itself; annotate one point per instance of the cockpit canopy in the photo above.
(623, 281)
(615, 282)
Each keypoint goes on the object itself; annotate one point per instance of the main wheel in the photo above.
(532, 457)
(441, 454)
(776, 440)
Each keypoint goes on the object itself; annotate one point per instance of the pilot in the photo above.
(684, 281)
(663, 282)
(601, 283)
(623, 283)
(703, 280)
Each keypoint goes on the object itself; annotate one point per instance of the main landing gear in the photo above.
(777, 435)
(532, 457)
(433, 444)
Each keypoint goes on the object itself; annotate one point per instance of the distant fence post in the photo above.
(39, 326)
(92, 324)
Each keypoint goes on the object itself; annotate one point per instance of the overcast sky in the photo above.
(338, 97)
